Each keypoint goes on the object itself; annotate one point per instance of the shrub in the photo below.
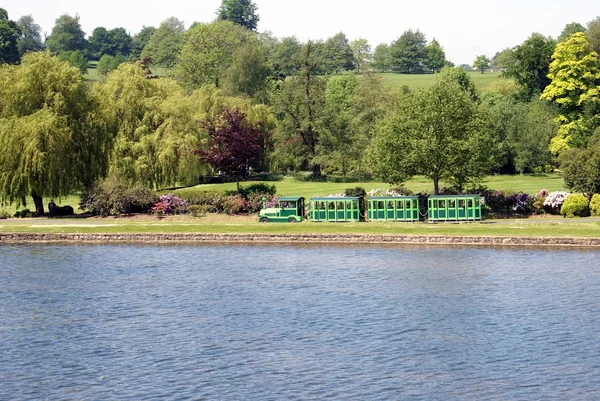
(397, 191)
(358, 191)
(538, 201)
(4, 215)
(199, 210)
(261, 187)
(575, 205)
(235, 204)
(595, 205)
(24, 213)
(213, 199)
(170, 205)
(554, 201)
(255, 201)
(112, 197)
(64, 211)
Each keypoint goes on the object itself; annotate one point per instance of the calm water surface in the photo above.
(298, 323)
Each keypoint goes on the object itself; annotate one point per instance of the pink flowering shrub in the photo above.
(170, 205)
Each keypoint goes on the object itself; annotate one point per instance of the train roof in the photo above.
(334, 198)
(290, 198)
(454, 196)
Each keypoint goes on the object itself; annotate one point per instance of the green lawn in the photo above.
(289, 186)
(535, 227)
(490, 81)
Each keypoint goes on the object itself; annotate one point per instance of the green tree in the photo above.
(110, 63)
(165, 43)
(337, 55)
(570, 29)
(361, 51)
(286, 56)
(54, 140)
(76, 58)
(140, 40)
(481, 63)
(382, 58)
(66, 35)
(529, 65)
(248, 73)
(437, 132)
(575, 79)
(240, 12)
(503, 60)
(581, 167)
(593, 34)
(9, 36)
(299, 105)
(409, 52)
(113, 42)
(436, 58)
(208, 51)
(31, 38)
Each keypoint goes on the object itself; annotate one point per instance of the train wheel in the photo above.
(264, 220)
(292, 220)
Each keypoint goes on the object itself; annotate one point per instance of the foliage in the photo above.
(260, 188)
(235, 204)
(208, 50)
(382, 58)
(575, 205)
(170, 205)
(66, 35)
(361, 51)
(109, 63)
(569, 29)
(528, 64)
(581, 168)
(164, 44)
(436, 57)
(249, 73)
(140, 40)
(481, 63)
(285, 57)
(336, 55)
(54, 140)
(198, 210)
(25, 213)
(109, 42)
(595, 205)
(438, 133)
(31, 37)
(555, 200)
(240, 12)
(9, 37)
(397, 191)
(76, 58)
(409, 52)
(113, 196)
(575, 78)
(593, 34)
(4, 215)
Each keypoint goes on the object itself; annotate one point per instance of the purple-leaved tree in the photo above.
(234, 145)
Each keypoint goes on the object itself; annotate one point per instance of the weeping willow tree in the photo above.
(157, 126)
(54, 139)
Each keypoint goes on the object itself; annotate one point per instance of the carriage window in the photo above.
(390, 205)
(348, 205)
(461, 203)
(331, 206)
(322, 205)
(415, 204)
(399, 204)
(452, 203)
(340, 205)
(470, 202)
(442, 204)
(380, 205)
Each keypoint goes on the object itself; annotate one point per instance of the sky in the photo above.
(464, 28)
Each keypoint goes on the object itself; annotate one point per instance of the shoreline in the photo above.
(189, 238)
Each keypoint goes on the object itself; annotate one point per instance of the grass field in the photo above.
(288, 186)
(490, 81)
(534, 227)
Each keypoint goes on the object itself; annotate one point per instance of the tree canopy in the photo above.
(54, 139)
(164, 44)
(9, 36)
(31, 37)
(240, 12)
(409, 52)
(66, 35)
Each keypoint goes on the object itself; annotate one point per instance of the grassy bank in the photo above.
(540, 227)
(490, 81)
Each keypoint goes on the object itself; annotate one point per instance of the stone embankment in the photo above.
(297, 238)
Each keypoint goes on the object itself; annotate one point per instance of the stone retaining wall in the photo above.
(296, 238)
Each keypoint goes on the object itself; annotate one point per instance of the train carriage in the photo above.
(394, 208)
(338, 209)
(454, 207)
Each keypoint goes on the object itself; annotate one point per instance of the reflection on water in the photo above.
(297, 323)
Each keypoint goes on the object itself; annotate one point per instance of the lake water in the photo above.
(133, 322)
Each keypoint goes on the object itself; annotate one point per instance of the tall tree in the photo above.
(234, 145)
(382, 58)
(593, 34)
(9, 36)
(76, 58)
(248, 73)
(575, 79)
(300, 103)
(529, 65)
(361, 50)
(140, 40)
(569, 29)
(54, 141)
(31, 38)
(337, 54)
(286, 56)
(481, 63)
(437, 132)
(208, 51)
(165, 43)
(112, 42)
(409, 52)
(436, 57)
(241, 12)
(66, 35)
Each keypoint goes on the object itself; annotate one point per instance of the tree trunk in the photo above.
(316, 170)
(237, 183)
(39, 205)
(436, 186)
